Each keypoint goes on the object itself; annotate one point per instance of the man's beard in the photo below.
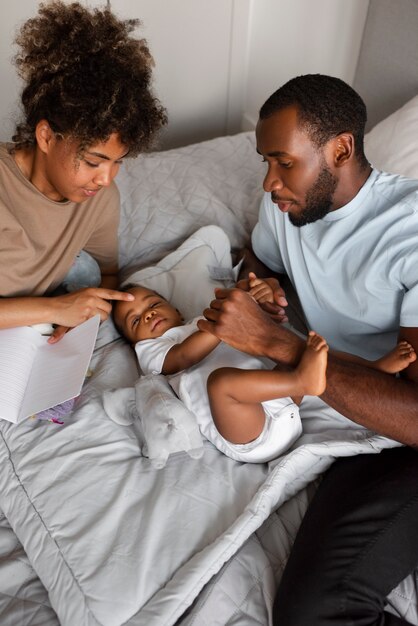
(318, 200)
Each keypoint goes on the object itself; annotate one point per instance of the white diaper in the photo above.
(282, 427)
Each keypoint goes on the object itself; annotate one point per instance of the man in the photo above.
(346, 235)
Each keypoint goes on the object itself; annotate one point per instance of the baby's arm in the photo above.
(394, 361)
(189, 352)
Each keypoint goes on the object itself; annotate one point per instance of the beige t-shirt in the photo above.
(40, 238)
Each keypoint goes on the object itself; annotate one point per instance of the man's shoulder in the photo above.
(396, 187)
(391, 198)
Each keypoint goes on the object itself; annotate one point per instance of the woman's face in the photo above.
(61, 174)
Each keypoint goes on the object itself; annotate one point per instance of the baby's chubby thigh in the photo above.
(282, 424)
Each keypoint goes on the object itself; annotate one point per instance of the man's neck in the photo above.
(349, 187)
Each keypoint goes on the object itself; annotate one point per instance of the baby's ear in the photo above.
(182, 318)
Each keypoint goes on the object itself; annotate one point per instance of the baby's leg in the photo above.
(237, 418)
(310, 374)
(397, 359)
(235, 395)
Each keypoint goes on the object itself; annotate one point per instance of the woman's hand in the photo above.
(74, 308)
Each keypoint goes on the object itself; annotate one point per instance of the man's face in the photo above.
(298, 177)
(147, 317)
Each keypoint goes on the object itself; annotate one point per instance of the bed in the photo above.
(92, 532)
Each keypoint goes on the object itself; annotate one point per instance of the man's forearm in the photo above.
(377, 401)
(281, 345)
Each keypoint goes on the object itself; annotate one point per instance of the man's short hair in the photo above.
(327, 107)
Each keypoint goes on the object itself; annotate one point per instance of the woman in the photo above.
(87, 104)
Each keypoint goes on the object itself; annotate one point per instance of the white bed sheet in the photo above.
(115, 541)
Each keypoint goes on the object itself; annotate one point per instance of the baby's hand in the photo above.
(262, 290)
(268, 294)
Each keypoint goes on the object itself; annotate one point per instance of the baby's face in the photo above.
(146, 317)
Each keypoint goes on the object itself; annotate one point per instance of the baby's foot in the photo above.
(397, 359)
(313, 365)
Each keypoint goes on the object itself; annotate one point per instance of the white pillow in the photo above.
(188, 276)
(392, 145)
(166, 196)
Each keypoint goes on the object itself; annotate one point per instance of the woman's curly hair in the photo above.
(87, 76)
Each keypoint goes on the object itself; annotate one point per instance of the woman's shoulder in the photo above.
(10, 171)
(5, 151)
(11, 176)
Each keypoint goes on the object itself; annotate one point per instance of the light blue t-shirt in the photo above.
(355, 270)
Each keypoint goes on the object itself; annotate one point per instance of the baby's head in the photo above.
(146, 317)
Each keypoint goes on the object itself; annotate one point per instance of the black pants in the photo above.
(358, 540)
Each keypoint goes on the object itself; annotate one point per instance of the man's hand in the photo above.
(268, 293)
(72, 309)
(235, 317)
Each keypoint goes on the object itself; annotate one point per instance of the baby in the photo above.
(254, 407)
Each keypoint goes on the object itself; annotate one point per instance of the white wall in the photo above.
(216, 60)
(194, 44)
(292, 37)
(12, 14)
